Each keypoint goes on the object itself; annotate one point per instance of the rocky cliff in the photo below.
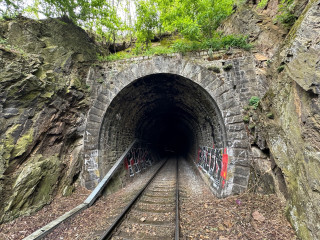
(293, 137)
(286, 128)
(43, 99)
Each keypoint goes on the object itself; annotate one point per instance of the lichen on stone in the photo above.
(34, 185)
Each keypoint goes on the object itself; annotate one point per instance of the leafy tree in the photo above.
(147, 21)
(194, 19)
(10, 8)
(98, 15)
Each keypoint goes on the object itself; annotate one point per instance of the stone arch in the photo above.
(223, 97)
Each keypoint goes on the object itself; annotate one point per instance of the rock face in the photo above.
(286, 136)
(43, 99)
(293, 136)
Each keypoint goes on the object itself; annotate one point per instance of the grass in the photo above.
(179, 45)
(158, 50)
(218, 42)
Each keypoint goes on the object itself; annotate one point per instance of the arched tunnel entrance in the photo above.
(171, 113)
(177, 107)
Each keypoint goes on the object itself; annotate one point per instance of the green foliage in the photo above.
(218, 42)
(168, 46)
(11, 48)
(280, 68)
(246, 108)
(286, 15)
(152, 50)
(95, 14)
(10, 9)
(246, 118)
(184, 45)
(254, 101)
(158, 50)
(214, 69)
(227, 67)
(240, 2)
(262, 4)
(287, 19)
(147, 22)
(3, 41)
(194, 19)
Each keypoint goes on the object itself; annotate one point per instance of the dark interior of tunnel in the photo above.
(169, 134)
(171, 113)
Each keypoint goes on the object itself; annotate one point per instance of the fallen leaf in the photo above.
(258, 216)
(221, 228)
(223, 238)
(228, 224)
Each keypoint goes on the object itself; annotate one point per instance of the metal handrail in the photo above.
(100, 187)
(42, 232)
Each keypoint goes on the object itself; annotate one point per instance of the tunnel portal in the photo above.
(168, 111)
(176, 107)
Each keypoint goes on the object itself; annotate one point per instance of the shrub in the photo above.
(280, 68)
(262, 4)
(254, 101)
(286, 16)
(246, 108)
(214, 69)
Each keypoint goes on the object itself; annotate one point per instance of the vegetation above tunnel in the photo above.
(193, 22)
(140, 21)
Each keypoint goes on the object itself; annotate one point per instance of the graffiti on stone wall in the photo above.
(214, 162)
(139, 158)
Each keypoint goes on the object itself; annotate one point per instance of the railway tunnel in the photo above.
(186, 111)
(168, 111)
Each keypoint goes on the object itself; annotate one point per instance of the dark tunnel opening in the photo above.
(173, 114)
(170, 135)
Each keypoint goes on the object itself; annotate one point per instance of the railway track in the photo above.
(154, 212)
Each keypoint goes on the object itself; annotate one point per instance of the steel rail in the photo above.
(177, 228)
(108, 233)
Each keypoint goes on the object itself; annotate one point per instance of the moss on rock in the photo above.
(293, 136)
(34, 186)
(43, 94)
(23, 143)
(7, 144)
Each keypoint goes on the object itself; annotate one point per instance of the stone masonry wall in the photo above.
(230, 86)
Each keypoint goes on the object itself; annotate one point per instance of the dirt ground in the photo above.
(202, 215)
(246, 216)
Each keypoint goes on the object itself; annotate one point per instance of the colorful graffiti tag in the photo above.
(138, 159)
(214, 161)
